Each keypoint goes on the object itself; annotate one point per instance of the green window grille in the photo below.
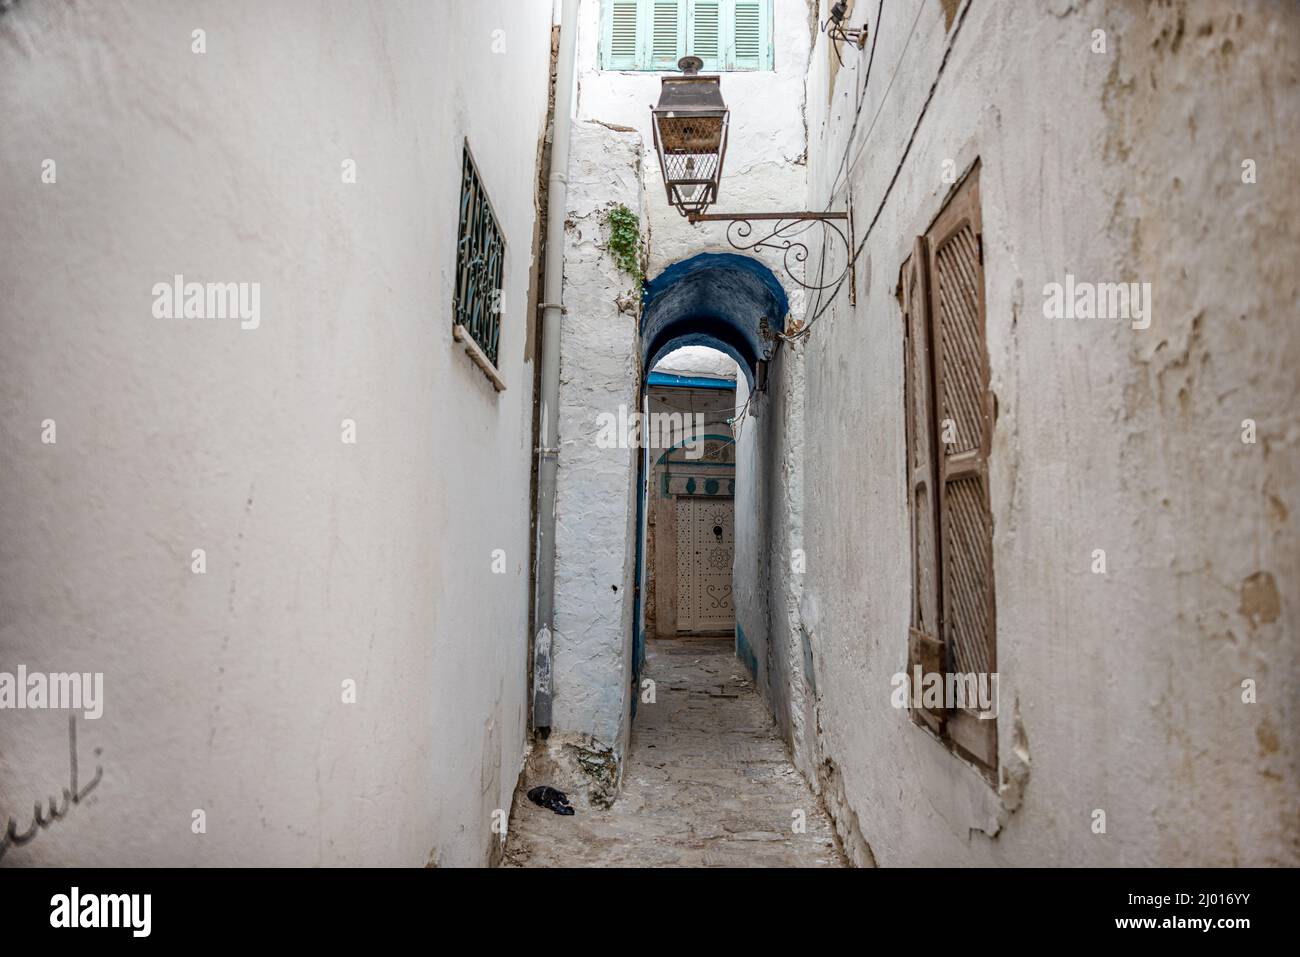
(480, 260)
(654, 34)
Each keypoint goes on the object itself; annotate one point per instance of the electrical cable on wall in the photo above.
(821, 308)
(861, 100)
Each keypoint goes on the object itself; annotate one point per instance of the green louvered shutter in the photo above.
(704, 33)
(667, 34)
(620, 41)
(655, 34)
(751, 33)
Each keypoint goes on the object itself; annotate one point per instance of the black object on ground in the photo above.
(546, 796)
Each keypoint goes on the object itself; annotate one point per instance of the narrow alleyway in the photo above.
(707, 782)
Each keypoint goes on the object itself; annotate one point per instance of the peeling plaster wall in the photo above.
(1121, 691)
(596, 528)
(325, 561)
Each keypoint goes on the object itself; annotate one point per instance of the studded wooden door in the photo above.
(705, 548)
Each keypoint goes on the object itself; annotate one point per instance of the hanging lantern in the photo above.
(690, 133)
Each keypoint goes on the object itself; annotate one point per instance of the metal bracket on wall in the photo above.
(788, 238)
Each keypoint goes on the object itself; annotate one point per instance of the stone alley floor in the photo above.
(707, 782)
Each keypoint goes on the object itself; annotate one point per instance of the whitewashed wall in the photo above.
(698, 360)
(596, 514)
(325, 561)
(1119, 692)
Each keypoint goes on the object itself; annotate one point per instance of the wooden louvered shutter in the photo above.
(964, 414)
(621, 35)
(750, 35)
(667, 34)
(925, 647)
(704, 33)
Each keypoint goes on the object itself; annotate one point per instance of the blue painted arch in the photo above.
(720, 300)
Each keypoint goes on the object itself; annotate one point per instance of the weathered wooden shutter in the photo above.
(925, 646)
(704, 33)
(964, 412)
(750, 35)
(667, 34)
(620, 41)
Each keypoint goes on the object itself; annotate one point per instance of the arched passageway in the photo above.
(705, 718)
(731, 303)
(735, 305)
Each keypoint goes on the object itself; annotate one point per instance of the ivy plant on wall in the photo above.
(625, 243)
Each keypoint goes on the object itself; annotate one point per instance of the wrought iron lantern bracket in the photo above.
(690, 136)
(787, 237)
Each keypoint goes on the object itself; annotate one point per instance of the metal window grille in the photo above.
(480, 258)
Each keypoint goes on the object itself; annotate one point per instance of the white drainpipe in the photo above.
(552, 313)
